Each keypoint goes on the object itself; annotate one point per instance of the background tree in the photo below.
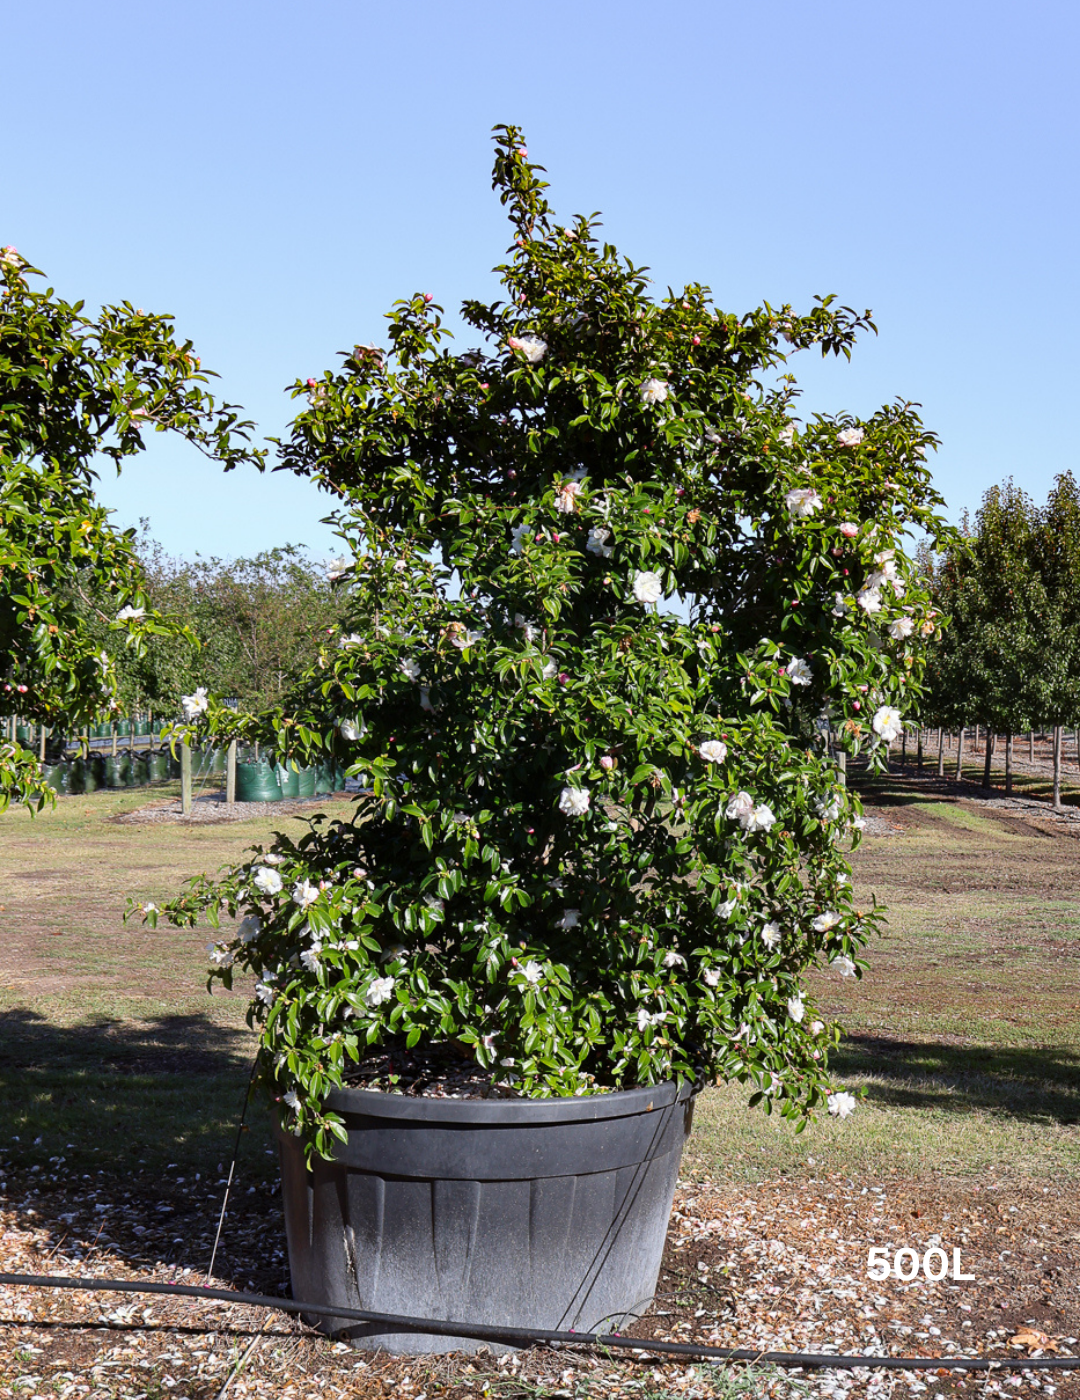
(73, 387)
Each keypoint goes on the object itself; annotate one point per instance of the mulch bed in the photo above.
(778, 1266)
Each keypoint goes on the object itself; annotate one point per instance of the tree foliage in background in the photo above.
(72, 388)
(253, 627)
(603, 840)
(1010, 660)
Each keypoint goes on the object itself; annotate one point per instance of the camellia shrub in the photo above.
(607, 593)
(73, 387)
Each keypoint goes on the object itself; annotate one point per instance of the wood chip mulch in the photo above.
(778, 1266)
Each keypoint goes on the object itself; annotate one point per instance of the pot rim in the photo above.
(619, 1103)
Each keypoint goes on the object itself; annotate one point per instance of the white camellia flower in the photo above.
(570, 918)
(465, 638)
(869, 599)
(130, 614)
(425, 699)
(713, 751)
(550, 670)
(901, 628)
(10, 257)
(379, 990)
(531, 346)
(787, 434)
(728, 907)
(352, 640)
(824, 922)
(849, 529)
(219, 956)
(648, 587)
(841, 1105)
(411, 668)
(844, 965)
(796, 1009)
(645, 1019)
(859, 823)
(518, 536)
(887, 723)
(850, 437)
(711, 976)
(566, 498)
(265, 993)
(597, 543)
(828, 811)
(740, 809)
(532, 972)
(816, 1027)
(673, 959)
(654, 391)
(803, 501)
(149, 908)
(305, 893)
(268, 881)
(195, 705)
(762, 818)
(310, 958)
(770, 935)
(798, 671)
(337, 568)
(574, 801)
(249, 929)
(272, 859)
(839, 607)
(292, 1099)
(348, 730)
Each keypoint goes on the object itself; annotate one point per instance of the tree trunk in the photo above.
(1031, 746)
(941, 753)
(903, 749)
(1008, 764)
(918, 752)
(988, 740)
(960, 753)
(1057, 765)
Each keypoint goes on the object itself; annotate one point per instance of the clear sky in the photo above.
(275, 175)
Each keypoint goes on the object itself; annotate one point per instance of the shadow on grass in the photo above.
(111, 1095)
(1032, 1084)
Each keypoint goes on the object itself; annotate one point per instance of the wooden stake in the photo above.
(185, 780)
(230, 774)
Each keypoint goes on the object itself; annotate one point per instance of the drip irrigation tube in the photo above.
(608, 1341)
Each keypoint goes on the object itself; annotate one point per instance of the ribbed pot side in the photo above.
(547, 1213)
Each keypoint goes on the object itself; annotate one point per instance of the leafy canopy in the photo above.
(603, 586)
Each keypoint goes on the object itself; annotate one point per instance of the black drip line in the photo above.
(610, 1341)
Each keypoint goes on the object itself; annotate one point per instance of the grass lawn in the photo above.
(964, 1031)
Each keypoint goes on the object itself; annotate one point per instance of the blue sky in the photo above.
(276, 175)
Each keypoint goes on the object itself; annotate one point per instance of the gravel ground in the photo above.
(778, 1265)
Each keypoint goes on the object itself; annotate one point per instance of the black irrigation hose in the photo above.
(479, 1331)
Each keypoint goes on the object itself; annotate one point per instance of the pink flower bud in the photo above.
(523, 153)
(485, 387)
(428, 297)
(312, 383)
(607, 763)
(697, 340)
(856, 705)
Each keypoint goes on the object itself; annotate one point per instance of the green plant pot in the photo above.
(117, 770)
(329, 777)
(24, 734)
(289, 780)
(86, 775)
(123, 728)
(139, 772)
(57, 775)
(257, 782)
(141, 727)
(160, 765)
(306, 778)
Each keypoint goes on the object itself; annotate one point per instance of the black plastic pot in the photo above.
(160, 765)
(546, 1213)
(117, 770)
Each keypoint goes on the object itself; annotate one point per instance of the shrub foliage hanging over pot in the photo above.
(603, 585)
